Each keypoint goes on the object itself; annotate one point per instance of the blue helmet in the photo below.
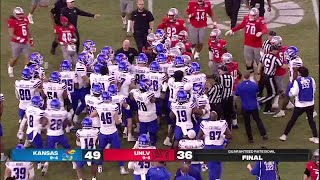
(292, 52)
(96, 88)
(55, 76)
(113, 90)
(160, 48)
(198, 88)
(107, 50)
(179, 61)
(37, 101)
(120, 57)
(83, 58)
(87, 122)
(154, 66)
(20, 146)
(55, 104)
(106, 96)
(89, 45)
(65, 65)
(35, 70)
(26, 74)
(182, 96)
(143, 140)
(195, 67)
(103, 59)
(123, 67)
(96, 68)
(144, 84)
(161, 58)
(160, 34)
(142, 58)
(36, 58)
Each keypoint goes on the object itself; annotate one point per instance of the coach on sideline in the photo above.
(55, 16)
(72, 13)
(247, 90)
(129, 51)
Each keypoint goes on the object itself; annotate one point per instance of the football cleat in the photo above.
(283, 137)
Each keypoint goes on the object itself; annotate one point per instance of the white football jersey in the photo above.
(119, 100)
(81, 70)
(56, 120)
(106, 112)
(34, 115)
(91, 59)
(92, 102)
(54, 91)
(20, 170)
(25, 90)
(214, 132)
(113, 69)
(70, 79)
(157, 80)
(146, 109)
(203, 100)
(104, 80)
(140, 72)
(141, 168)
(173, 69)
(88, 137)
(125, 80)
(297, 62)
(195, 79)
(183, 113)
(174, 87)
(164, 67)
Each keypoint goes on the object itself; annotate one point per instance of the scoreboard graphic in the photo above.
(47, 155)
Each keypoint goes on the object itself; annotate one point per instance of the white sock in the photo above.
(124, 20)
(10, 69)
(234, 122)
(276, 100)
(197, 53)
(2, 155)
(193, 50)
(129, 26)
(169, 127)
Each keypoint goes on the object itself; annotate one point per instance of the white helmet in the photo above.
(18, 13)
(276, 40)
(215, 35)
(227, 58)
(151, 37)
(181, 47)
(253, 14)
(173, 12)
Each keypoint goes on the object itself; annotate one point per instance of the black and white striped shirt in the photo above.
(266, 46)
(215, 94)
(227, 82)
(270, 63)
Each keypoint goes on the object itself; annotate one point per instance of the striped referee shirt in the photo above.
(227, 82)
(270, 63)
(215, 94)
(266, 46)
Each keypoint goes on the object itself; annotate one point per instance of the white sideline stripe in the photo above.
(316, 11)
(150, 5)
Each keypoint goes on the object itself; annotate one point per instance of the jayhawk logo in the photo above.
(68, 155)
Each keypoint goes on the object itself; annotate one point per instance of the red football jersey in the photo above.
(250, 31)
(198, 13)
(313, 169)
(188, 46)
(217, 49)
(20, 29)
(65, 33)
(233, 69)
(172, 28)
(281, 71)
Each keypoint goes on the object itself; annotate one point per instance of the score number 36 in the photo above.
(181, 155)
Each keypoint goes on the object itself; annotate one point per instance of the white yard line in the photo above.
(316, 11)
(150, 5)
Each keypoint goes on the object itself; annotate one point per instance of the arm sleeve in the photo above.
(240, 26)
(256, 169)
(295, 89)
(151, 18)
(84, 13)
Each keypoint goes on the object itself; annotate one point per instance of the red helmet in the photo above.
(253, 14)
(200, 1)
(183, 35)
(215, 35)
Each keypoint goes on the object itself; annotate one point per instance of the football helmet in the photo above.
(107, 50)
(36, 58)
(167, 43)
(96, 68)
(226, 58)
(143, 140)
(195, 67)
(154, 66)
(144, 84)
(120, 57)
(18, 13)
(55, 104)
(276, 41)
(200, 2)
(123, 67)
(96, 88)
(35, 70)
(292, 52)
(151, 38)
(106, 97)
(215, 35)
(253, 14)
(181, 47)
(187, 59)
(87, 122)
(198, 88)
(183, 35)
(142, 58)
(83, 58)
(316, 156)
(179, 61)
(160, 34)
(182, 96)
(37, 101)
(89, 46)
(113, 89)
(160, 48)
(65, 65)
(55, 77)
(172, 14)
(26, 74)
(161, 58)
(103, 59)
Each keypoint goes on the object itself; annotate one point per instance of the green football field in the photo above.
(106, 30)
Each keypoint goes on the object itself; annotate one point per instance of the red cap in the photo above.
(64, 19)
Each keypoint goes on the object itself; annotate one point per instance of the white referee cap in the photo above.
(69, 1)
(191, 134)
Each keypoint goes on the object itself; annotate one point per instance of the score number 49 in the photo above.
(92, 155)
(184, 155)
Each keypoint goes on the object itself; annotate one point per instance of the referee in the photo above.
(55, 16)
(142, 22)
(269, 62)
(227, 82)
(214, 94)
(303, 90)
(72, 13)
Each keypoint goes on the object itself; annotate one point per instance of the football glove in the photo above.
(230, 32)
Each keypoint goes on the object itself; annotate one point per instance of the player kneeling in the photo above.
(19, 170)
(87, 138)
(141, 168)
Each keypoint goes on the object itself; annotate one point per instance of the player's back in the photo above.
(213, 131)
(88, 137)
(94, 78)
(119, 100)
(26, 89)
(81, 70)
(106, 80)
(92, 102)
(174, 87)
(69, 78)
(113, 69)
(199, 78)
(203, 100)
(33, 115)
(140, 72)
(125, 80)
(157, 80)
(172, 69)
(19, 170)
(146, 109)
(54, 90)
(142, 167)
(56, 120)
(183, 113)
(164, 67)
(106, 112)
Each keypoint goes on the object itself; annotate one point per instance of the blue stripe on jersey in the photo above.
(150, 95)
(80, 69)
(77, 134)
(64, 87)
(192, 105)
(201, 125)
(38, 84)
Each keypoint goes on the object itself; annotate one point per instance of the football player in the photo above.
(178, 64)
(33, 117)
(87, 138)
(171, 24)
(19, 170)
(151, 38)
(217, 46)
(89, 47)
(162, 60)
(196, 76)
(182, 111)
(92, 101)
(141, 168)
(183, 37)
(36, 58)
(107, 113)
(145, 100)
(56, 118)
(264, 169)
(182, 47)
(141, 68)
(25, 90)
(3, 157)
(312, 167)
(214, 134)
(113, 68)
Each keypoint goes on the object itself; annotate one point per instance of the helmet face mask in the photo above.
(253, 14)
(215, 35)
(18, 13)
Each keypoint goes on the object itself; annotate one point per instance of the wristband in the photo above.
(18, 38)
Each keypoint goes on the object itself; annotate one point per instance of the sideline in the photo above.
(150, 6)
(316, 12)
